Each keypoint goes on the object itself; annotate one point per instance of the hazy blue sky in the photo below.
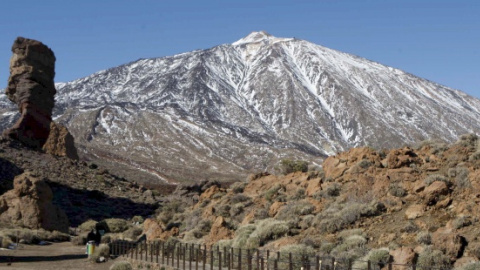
(435, 39)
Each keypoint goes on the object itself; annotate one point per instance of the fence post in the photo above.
(262, 264)
(290, 261)
(318, 263)
(268, 258)
(179, 250)
(239, 259)
(350, 264)
(211, 259)
(136, 252)
(232, 259)
(390, 266)
(414, 267)
(204, 258)
(220, 260)
(184, 254)
(249, 261)
(333, 263)
(258, 259)
(196, 259)
(275, 265)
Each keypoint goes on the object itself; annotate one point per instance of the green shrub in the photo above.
(432, 259)
(113, 225)
(236, 209)
(347, 233)
(138, 219)
(123, 265)
(436, 177)
(471, 266)
(298, 251)
(238, 187)
(103, 250)
(410, 227)
(397, 191)
(468, 140)
(299, 194)
(271, 193)
(351, 248)
(461, 222)
(364, 164)
(80, 240)
(424, 238)
(295, 209)
(270, 229)
(132, 233)
(336, 220)
(222, 210)
(289, 166)
(237, 198)
(461, 178)
(242, 235)
(87, 225)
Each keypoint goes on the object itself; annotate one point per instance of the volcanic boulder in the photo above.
(60, 142)
(31, 87)
(29, 204)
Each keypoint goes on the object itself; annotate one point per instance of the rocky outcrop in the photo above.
(29, 204)
(60, 142)
(31, 87)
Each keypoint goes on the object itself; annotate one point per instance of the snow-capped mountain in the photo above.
(223, 112)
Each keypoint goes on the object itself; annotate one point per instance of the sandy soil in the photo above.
(54, 256)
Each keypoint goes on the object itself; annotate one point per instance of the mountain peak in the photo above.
(255, 37)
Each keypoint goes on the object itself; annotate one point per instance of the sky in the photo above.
(438, 40)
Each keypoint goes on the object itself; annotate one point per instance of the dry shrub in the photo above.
(103, 250)
(436, 177)
(424, 238)
(432, 259)
(79, 240)
(113, 225)
(87, 225)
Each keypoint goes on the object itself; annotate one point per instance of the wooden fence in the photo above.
(184, 256)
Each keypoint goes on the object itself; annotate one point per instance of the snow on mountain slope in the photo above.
(235, 108)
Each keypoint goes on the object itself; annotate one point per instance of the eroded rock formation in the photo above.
(29, 204)
(31, 86)
(60, 142)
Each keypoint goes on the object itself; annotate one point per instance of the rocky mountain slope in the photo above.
(84, 191)
(222, 112)
(407, 205)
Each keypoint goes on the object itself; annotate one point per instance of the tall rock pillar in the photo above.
(31, 87)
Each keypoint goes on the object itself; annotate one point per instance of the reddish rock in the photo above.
(31, 87)
(398, 158)
(60, 142)
(414, 211)
(433, 192)
(449, 242)
(218, 232)
(29, 204)
(402, 256)
(152, 229)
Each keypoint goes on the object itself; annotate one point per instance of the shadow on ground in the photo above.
(82, 205)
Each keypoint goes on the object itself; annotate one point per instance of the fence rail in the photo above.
(184, 256)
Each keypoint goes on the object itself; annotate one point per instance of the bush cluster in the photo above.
(289, 166)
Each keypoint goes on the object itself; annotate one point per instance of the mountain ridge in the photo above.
(241, 107)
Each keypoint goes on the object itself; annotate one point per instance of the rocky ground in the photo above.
(84, 191)
(409, 205)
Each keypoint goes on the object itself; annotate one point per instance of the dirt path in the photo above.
(54, 256)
